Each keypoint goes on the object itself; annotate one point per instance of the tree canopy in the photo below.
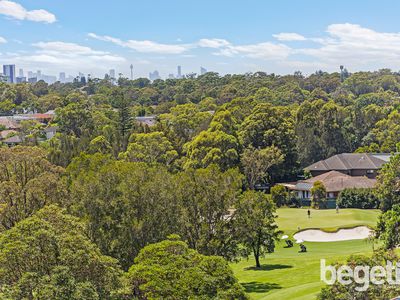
(170, 269)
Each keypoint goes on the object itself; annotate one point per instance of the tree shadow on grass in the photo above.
(268, 267)
(259, 287)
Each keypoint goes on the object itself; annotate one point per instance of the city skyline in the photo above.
(63, 78)
(277, 37)
(34, 76)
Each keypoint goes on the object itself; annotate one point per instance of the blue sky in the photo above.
(223, 36)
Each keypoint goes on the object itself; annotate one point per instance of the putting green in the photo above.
(290, 220)
(287, 274)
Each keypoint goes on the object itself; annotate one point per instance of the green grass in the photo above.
(291, 219)
(287, 274)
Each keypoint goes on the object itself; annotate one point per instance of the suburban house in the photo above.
(10, 126)
(334, 182)
(8, 123)
(7, 133)
(12, 141)
(339, 172)
(353, 164)
(41, 118)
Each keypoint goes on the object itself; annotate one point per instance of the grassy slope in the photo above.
(287, 274)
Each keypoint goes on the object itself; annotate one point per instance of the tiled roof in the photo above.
(350, 161)
(36, 116)
(43, 116)
(335, 182)
(9, 123)
(13, 140)
(5, 133)
(303, 186)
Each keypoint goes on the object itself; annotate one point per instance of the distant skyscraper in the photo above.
(203, 71)
(48, 78)
(20, 79)
(70, 78)
(112, 73)
(9, 71)
(21, 73)
(131, 71)
(179, 72)
(39, 75)
(30, 74)
(61, 78)
(154, 75)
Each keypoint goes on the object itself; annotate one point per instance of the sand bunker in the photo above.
(315, 235)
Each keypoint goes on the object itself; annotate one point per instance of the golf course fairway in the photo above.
(288, 274)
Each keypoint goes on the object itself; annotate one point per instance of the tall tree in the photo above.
(125, 121)
(206, 199)
(388, 183)
(387, 229)
(267, 126)
(48, 256)
(318, 192)
(212, 147)
(28, 182)
(255, 219)
(308, 133)
(151, 148)
(171, 270)
(257, 162)
(126, 205)
(183, 123)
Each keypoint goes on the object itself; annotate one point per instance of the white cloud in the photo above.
(66, 48)
(72, 51)
(356, 46)
(17, 11)
(265, 50)
(289, 36)
(213, 43)
(61, 56)
(228, 52)
(144, 46)
(2, 40)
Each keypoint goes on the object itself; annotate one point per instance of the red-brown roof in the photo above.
(5, 133)
(8, 123)
(336, 181)
(43, 116)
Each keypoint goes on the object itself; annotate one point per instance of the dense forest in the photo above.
(113, 207)
(213, 120)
